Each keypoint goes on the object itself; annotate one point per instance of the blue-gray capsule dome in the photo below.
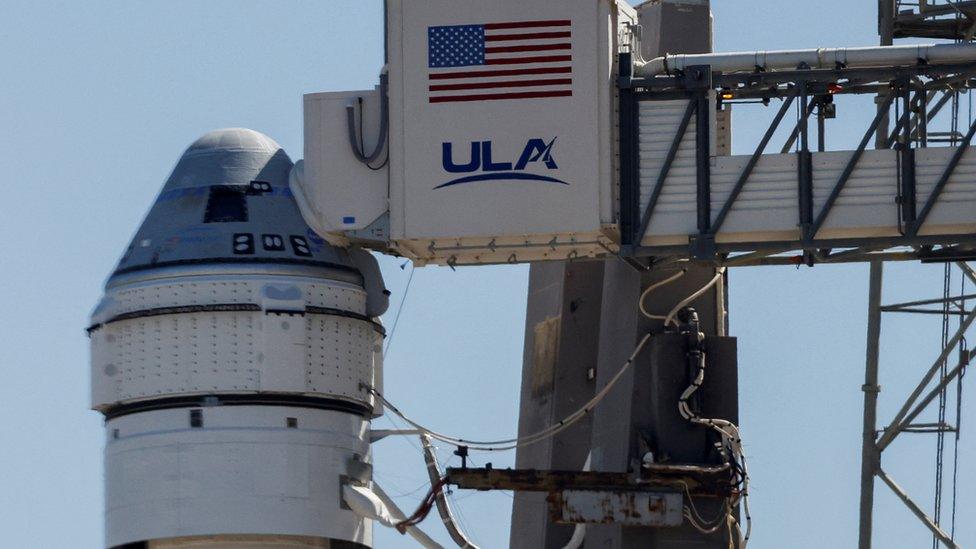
(228, 201)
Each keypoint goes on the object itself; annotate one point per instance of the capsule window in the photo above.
(196, 419)
(291, 422)
(226, 205)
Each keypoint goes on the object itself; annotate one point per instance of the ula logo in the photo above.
(483, 167)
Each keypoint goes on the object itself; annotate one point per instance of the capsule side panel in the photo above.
(232, 470)
(272, 335)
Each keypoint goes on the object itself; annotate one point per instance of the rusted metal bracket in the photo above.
(704, 481)
(655, 498)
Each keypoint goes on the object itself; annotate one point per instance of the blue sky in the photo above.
(97, 102)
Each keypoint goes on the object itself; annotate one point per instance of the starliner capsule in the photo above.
(231, 357)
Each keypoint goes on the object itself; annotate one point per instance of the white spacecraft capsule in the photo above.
(230, 356)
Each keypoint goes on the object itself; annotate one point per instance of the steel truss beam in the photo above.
(917, 511)
(873, 446)
(951, 19)
(902, 86)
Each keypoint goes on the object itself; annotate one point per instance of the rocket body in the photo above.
(230, 356)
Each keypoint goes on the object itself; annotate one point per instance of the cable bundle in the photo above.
(730, 448)
(423, 510)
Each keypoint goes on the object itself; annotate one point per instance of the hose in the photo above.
(669, 319)
(384, 124)
(651, 288)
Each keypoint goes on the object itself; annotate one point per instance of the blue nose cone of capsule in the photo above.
(227, 201)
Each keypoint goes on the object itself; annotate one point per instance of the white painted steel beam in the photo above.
(815, 58)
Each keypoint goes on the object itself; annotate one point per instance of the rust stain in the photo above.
(631, 508)
(545, 351)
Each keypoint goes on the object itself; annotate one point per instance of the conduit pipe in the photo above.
(819, 58)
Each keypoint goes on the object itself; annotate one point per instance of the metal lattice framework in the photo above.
(953, 20)
(906, 91)
(909, 98)
(948, 19)
(928, 391)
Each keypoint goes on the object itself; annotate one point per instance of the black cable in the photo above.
(362, 144)
(964, 352)
(383, 140)
(943, 394)
(362, 139)
(396, 319)
(381, 166)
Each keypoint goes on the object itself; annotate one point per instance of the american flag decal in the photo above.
(497, 61)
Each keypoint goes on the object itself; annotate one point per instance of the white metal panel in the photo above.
(769, 200)
(955, 212)
(222, 289)
(227, 352)
(102, 353)
(477, 218)
(283, 362)
(659, 122)
(173, 354)
(866, 206)
(280, 348)
(767, 209)
(394, 38)
(341, 192)
(378, 372)
(242, 472)
(339, 356)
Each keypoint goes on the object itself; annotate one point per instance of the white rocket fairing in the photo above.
(230, 357)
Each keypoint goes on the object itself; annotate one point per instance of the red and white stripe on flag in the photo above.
(518, 60)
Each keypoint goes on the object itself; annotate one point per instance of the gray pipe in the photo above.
(820, 58)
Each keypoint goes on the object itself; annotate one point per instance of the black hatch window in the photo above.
(226, 205)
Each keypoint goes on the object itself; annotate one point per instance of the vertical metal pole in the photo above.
(821, 127)
(923, 119)
(886, 29)
(906, 191)
(886, 21)
(804, 164)
(870, 455)
(703, 129)
(630, 210)
(628, 147)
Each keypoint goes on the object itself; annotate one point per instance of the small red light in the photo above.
(835, 88)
